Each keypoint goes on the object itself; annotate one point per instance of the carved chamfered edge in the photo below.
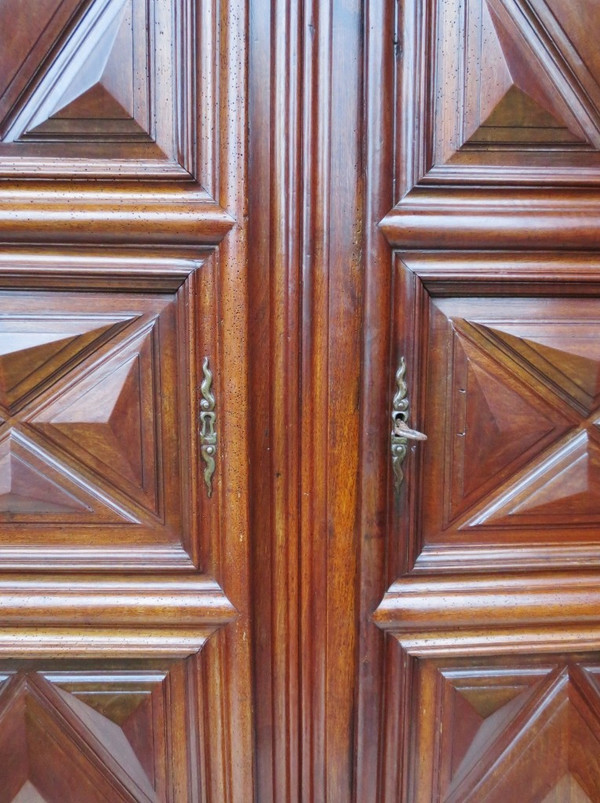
(208, 432)
(98, 615)
(491, 614)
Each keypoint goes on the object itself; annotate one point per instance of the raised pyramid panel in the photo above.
(539, 744)
(33, 35)
(472, 700)
(35, 487)
(565, 354)
(102, 98)
(512, 414)
(80, 68)
(107, 419)
(91, 423)
(560, 490)
(92, 83)
(518, 119)
(96, 734)
(516, 87)
(35, 349)
(529, 69)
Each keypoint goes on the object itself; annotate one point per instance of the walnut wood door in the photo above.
(491, 653)
(123, 530)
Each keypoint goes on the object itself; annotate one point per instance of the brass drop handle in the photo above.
(401, 432)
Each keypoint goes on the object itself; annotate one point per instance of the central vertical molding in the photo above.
(305, 336)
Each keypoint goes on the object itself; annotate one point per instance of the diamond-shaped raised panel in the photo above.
(57, 746)
(35, 348)
(107, 419)
(500, 423)
(512, 412)
(29, 490)
(76, 81)
(562, 489)
(565, 354)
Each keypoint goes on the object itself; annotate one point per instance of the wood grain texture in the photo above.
(305, 396)
(380, 52)
(494, 207)
(121, 185)
(223, 674)
(525, 723)
(496, 91)
(157, 185)
(94, 731)
(96, 90)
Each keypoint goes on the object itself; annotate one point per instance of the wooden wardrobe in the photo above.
(299, 401)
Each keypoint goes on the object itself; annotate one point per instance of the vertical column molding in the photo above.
(307, 236)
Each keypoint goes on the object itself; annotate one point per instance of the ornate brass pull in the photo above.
(208, 420)
(401, 432)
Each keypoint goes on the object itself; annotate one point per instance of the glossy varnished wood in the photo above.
(305, 395)
(309, 194)
(494, 233)
(123, 276)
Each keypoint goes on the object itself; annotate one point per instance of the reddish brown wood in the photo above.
(305, 389)
(116, 566)
(309, 194)
(490, 690)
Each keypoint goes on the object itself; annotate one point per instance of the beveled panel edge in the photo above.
(503, 271)
(15, 168)
(88, 642)
(160, 270)
(500, 641)
(159, 558)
